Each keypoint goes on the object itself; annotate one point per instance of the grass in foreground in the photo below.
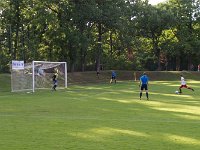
(102, 117)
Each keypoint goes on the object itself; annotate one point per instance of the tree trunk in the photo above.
(82, 48)
(158, 56)
(71, 56)
(17, 30)
(156, 50)
(23, 45)
(82, 59)
(10, 39)
(178, 63)
(72, 67)
(111, 44)
(99, 50)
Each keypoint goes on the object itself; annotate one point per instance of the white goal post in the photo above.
(38, 75)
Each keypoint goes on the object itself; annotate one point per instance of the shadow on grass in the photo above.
(102, 116)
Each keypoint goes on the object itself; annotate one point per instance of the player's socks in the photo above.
(147, 95)
(140, 95)
(54, 87)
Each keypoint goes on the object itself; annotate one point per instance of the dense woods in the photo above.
(101, 34)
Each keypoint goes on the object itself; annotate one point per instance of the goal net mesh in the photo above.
(38, 75)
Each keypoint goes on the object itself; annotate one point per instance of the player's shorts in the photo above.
(144, 86)
(55, 82)
(183, 86)
(113, 77)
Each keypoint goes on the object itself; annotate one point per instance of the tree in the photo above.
(153, 22)
(185, 27)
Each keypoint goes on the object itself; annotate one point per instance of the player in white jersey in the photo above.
(183, 85)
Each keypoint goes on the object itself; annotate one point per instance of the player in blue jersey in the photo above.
(144, 85)
(113, 76)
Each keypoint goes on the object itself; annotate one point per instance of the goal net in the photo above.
(38, 75)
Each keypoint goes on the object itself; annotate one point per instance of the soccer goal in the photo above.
(38, 75)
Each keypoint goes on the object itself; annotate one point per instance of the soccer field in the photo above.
(102, 117)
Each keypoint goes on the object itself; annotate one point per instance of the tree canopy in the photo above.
(101, 34)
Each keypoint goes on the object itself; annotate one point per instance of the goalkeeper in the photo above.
(55, 81)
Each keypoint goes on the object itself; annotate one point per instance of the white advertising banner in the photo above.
(17, 64)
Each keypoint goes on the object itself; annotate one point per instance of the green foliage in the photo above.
(118, 63)
(86, 33)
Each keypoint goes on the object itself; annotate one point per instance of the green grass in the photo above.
(102, 117)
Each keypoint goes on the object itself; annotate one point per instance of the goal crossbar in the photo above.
(38, 75)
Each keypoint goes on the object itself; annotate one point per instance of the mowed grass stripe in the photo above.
(100, 119)
(101, 116)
